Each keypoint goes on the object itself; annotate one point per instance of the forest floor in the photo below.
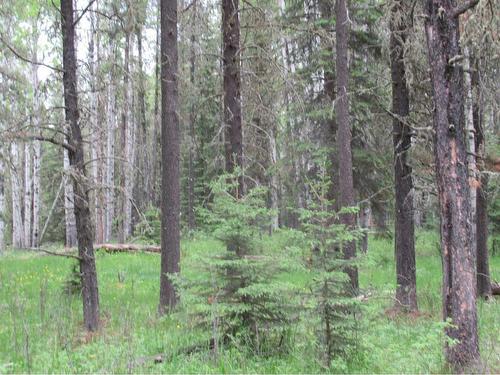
(41, 328)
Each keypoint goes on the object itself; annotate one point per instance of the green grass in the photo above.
(41, 328)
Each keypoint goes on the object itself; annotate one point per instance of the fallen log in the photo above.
(495, 289)
(127, 248)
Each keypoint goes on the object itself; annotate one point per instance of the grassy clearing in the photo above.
(40, 329)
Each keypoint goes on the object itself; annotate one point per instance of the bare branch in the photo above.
(458, 10)
(83, 12)
(25, 59)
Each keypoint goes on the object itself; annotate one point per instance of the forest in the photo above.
(249, 186)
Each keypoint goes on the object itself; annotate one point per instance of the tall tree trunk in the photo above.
(458, 259)
(69, 204)
(2, 200)
(110, 152)
(127, 138)
(90, 293)
(192, 134)
(28, 197)
(37, 153)
(170, 137)
(232, 89)
(344, 136)
(157, 119)
(481, 220)
(404, 227)
(143, 158)
(16, 190)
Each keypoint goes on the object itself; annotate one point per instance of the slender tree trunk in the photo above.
(28, 197)
(16, 189)
(143, 158)
(481, 220)
(37, 152)
(192, 134)
(90, 293)
(344, 136)
(170, 137)
(458, 259)
(157, 119)
(232, 89)
(404, 227)
(69, 205)
(127, 138)
(110, 152)
(2, 200)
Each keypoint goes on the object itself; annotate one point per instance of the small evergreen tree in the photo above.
(238, 293)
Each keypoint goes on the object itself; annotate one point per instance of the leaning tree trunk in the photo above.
(232, 89)
(170, 138)
(481, 220)
(90, 293)
(404, 244)
(344, 136)
(458, 259)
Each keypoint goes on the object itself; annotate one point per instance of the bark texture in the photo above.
(484, 288)
(90, 294)
(344, 135)
(232, 88)
(2, 201)
(458, 259)
(404, 228)
(170, 138)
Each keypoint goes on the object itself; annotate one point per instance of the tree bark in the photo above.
(484, 288)
(28, 197)
(458, 259)
(192, 133)
(2, 200)
(69, 204)
(110, 152)
(16, 191)
(90, 293)
(344, 136)
(37, 153)
(232, 90)
(404, 227)
(170, 137)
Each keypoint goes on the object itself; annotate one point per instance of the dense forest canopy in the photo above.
(301, 168)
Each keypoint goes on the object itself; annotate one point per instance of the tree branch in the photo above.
(83, 12)
(25, 59)
(458, 10)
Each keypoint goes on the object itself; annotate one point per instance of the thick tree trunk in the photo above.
(16, 190)
(170, 137)
(458, 259)
(155, 196)
(232, 89)
(344, 136)
(404, 228)
(90, 293)
(69, 204)
(484, 288)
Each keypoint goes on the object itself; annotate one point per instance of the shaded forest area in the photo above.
(258, 186)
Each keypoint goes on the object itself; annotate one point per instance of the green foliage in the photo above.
(148, 230)
(240, 298)
(73, 284)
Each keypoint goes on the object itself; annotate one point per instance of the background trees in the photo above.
(282, 93)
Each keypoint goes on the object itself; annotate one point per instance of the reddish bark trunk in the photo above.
(344, 136)
(90, 293)
(458, 259)
(232, 88)
(170, 138)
